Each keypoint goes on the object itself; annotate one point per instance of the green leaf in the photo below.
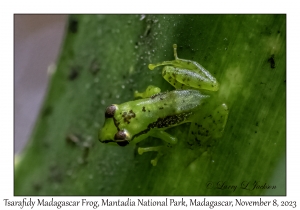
(104, 60)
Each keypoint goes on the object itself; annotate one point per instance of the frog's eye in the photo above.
(120, 138)
(110, 111)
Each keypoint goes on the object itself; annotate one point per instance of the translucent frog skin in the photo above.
(133, 121)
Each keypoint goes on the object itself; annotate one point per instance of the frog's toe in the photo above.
(152, 149)
(141, 150)
(150, 91)
(220, 118)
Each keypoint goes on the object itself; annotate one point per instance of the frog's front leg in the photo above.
(150, 91)
(159, 149)
(208, 126)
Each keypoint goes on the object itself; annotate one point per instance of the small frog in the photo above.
(133, 121)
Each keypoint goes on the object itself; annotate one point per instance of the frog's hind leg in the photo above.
(182, 78)
(169, 139)
(150, 91)
(169, 74)
(209, 126)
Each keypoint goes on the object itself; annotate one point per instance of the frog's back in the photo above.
(175, 102)
(162, 110)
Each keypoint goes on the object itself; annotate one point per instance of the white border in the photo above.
(270, 6)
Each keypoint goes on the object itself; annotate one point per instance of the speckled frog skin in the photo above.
(133, 121)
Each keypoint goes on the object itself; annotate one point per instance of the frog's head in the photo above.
(110, 133)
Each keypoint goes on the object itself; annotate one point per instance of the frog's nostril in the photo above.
(110, 111)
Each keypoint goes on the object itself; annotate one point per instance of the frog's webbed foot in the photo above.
(210, 126)
(169, 139)
(150, 91)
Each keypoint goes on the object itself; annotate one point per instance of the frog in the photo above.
(153, 111)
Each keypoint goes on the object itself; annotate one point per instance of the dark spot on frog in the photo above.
(271, 60)
(161, 107)
(116, 124)
(169, 120)
(127, 116)
(144, 110)
(131, 112)
(158, 94)
(73, 25)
